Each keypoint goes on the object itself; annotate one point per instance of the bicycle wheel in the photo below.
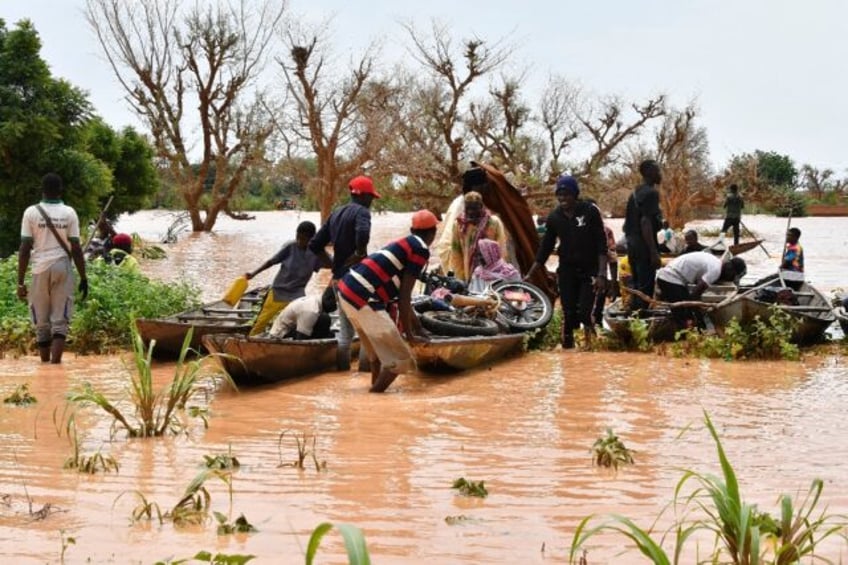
(457, 324)
(523, 305)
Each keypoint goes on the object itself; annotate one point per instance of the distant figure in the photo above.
(641, 223)
(792, 263)
(50, 237)
(692, 243)
(308, 317)
(701, 270)
(664, 237)
(733, 205)
(120, 254)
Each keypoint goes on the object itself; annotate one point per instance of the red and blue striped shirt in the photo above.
(375, 280)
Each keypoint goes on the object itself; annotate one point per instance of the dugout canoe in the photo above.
(213, 317)
(660, 324)
(810, 308)
(842, 317)
(262, 360)
(446, 354)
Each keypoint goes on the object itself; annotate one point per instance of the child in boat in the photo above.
(792, 264)
(492, 267)
(297, 263)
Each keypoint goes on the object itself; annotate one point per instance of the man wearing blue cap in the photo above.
(578, 226)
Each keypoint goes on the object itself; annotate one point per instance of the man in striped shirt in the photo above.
(378, 280)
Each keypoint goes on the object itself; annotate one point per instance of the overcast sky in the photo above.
(765, 74)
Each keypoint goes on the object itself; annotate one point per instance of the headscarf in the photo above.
(493, 266)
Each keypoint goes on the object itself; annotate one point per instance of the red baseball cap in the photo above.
(424, 220)
(362, 185)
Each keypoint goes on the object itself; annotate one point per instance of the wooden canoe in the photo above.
(813, 312)
(445, 354)
(661, 325)
(260, 360)
(214, 317)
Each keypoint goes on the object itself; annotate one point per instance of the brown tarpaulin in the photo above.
(505, 200)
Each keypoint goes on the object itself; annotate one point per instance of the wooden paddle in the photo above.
(741, 223)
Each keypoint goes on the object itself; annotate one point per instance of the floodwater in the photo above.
(524, 426)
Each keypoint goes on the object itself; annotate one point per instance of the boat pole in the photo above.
(755, 237)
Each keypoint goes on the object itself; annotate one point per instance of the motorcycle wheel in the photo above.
(457, 324)
(519, 315)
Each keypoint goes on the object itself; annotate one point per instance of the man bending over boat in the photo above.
(308, 317)
(368, 288)
(700, 269)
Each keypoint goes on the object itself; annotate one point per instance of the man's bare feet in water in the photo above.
(382, 381)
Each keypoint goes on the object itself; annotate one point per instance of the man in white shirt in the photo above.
(307, 317)
(51, 296)
(700, 270)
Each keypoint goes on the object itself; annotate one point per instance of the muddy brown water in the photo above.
(524, 426)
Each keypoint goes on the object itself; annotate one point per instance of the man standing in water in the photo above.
(733, 205)
(348, 229)
(368, 288)
(642, 221)
(578, 226)
(50, 237)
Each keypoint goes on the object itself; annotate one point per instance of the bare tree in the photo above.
(194, 66)
(559, 111)
(683, 150)
(819, 182)
(326, 111)
(437, 137)
(499, 125)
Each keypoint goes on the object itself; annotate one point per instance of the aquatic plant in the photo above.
(545, 338)
(769, 338)
(154, 412)
(610, 451)
(66, 542)
(302, 451)
(354, 540)
(744, 534)
(222, 461)
(214, 559)
(21, 396)
(470, 488)
(90, 464)
(240, 526)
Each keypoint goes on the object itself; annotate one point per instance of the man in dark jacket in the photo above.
(578, 226)
(348, 229)
(641, 223)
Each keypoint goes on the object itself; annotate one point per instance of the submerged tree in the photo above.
(193, 68)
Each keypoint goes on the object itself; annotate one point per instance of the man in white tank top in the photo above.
(51, 294)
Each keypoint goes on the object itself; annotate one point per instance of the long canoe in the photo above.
(259, 360)
(660, 324)
(214, 317)
(440, 354)
(813, 311)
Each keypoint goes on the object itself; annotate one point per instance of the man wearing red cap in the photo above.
(121, 253)
(372, 284)
(348, 229)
